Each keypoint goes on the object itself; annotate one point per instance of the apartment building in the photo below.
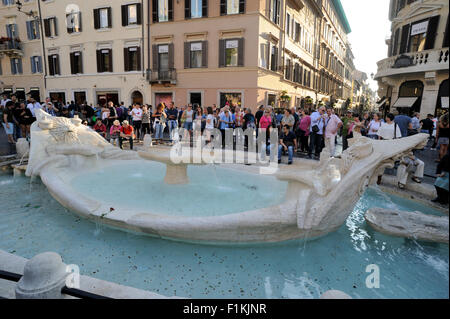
(262, 52)
(415, 74)
(247, 52)
(94, 50)
(21, 60)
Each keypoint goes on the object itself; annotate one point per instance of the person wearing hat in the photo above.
(126, 133)
(114, 133)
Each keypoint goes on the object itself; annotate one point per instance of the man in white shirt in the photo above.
(33, 106)
(136, 114)
(4, 100)
(318, 119)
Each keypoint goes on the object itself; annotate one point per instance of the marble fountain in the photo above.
(317, 198)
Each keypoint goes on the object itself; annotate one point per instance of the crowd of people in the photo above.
(299, 130)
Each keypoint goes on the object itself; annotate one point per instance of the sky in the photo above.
(369, 21)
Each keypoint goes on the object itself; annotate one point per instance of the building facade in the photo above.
(21, 60)
(415, 74)
(263, 52)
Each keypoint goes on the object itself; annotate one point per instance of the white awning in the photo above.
(405, 101)
(444, 102)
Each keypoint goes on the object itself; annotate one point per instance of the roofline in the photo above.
(341, 14)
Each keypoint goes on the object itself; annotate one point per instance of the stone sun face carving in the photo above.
(63, 131)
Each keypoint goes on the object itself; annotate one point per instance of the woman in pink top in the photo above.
(114, 133)
(303, 131)
(265, 121)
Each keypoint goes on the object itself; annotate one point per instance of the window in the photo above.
(132, 58)
(418, 36)
(131, 14)
(102, 18)
(73, 20)
(33, 30)
(162, 10)
(12, 31)
(36, 64)
(288, 71)
(8, 2)
(298, 31)
(163, 57)
(232, 99)
(274, 15)
(195, 54)
(232, 7)
(16, 66)
(274, 59)
(104, 60)
(53, 64)
(264, 55)
(50, 27)
(231, 52)
(76, 62)
(196, 8)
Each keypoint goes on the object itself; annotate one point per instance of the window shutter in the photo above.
(99, 61)
(432, 32)
(139, 13)
(223, 7)
(109, 17)
(38, 31)
(205, 54)
(56, 26)
(8, 31)
(29, 30)
(80, 61)
(69, 28)
(268, 56)
(13, 69)
(51, 70)
(221, 53)
(187, 55)
(110, 61)
(405, 39)
(187, 9)
(20, 66)
(155, 11)
(72, 63)
(33, 65)
(138, 58)
(124, 15)
(47, 27)
(171, 56)
(170, 10)
(80, 24)
(204, 8)
(57, 69)
(16, 31)
(241, 6)
(155, 57)
(126, 60)
(241, 52)
(96, 19)
(445, 43)
(395, 45)
(40, 64)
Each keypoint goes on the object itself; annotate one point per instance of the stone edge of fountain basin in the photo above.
(15, 264)
(267, 225)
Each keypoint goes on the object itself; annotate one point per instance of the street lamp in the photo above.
(30, 13)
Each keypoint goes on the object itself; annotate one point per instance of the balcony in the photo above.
(162, 76)
(11, 47)
(416, 62)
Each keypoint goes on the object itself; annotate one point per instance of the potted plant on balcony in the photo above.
(284, 99)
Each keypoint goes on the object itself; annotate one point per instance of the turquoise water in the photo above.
(31, 222)
(211, 191)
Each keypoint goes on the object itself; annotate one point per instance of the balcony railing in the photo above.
(162, 76)
(424, 61)
(11, 48)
